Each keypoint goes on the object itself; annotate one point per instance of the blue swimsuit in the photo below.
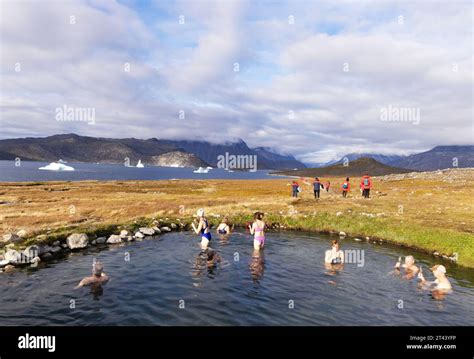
(208, 234)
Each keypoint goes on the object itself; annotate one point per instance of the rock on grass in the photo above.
(77, 241)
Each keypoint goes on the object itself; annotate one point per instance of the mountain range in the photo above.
(158, 152)
(439, 157)
(357, 167)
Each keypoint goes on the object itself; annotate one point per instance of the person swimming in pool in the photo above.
(223, 227)
(203, 229)
(410, 268)
(440, 285)
(213, 258)
(97, 278)
(334, 255)
(257, 229)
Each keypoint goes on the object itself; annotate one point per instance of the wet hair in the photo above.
(225, 220)
(335, 242)
(210, 254)
(258, 215)
(97, 269)
(200, 212)
(317, 179)
(347, 178)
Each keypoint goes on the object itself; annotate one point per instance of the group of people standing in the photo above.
(202, 228)
(365, 187)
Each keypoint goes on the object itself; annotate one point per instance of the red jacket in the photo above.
(348, 186)
(369, 180)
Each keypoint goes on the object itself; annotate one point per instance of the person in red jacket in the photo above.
(327, 185)
(345, 187)
(366, 185)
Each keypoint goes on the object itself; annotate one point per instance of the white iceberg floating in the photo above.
(201, 170)
(140, 164)
(55, 166)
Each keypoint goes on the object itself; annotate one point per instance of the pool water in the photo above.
(165, 281)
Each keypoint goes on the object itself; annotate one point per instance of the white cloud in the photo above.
(424, 62)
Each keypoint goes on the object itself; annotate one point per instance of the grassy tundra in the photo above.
(432, 211)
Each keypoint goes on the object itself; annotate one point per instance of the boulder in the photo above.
(101, 240)
(56, 243)
(13, 256)
(94, 242)
(64, 245)
(77, 241)
(35, 260)
(31, 251)
(165, 229)
(157, 230)
(147, 231)
(56, 249)
(9, 268)
(139, 235)
(113, 239)
(42, 249)
(11, 238)
(4, 262)
(124, 233)
(46, 256)
(342, 234)
(173, 226)
(22, 233)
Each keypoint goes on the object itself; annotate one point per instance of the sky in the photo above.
(316, 79)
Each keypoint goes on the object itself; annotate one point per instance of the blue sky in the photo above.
(312, 79)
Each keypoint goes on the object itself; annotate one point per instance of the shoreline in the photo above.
(428, 212)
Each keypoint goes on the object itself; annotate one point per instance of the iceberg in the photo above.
(201, 170)
(55, 166)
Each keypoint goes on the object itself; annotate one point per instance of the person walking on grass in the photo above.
(294, 189)
(345, 187)
(317, 185)
(327, 185)
(366, 185)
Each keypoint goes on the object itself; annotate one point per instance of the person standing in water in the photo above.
(257, 229)
(441, 283)
(317, 187)
(410, 268)
(294, 189)
(366, 185)
(334, 255)
(203, 229)
(97, 278)
(345, 187)
(224, 227)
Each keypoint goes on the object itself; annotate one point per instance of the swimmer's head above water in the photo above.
(97, 269)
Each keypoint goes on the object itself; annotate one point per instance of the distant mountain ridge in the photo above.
(174, 153)
(356, 167)
(439, 157)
